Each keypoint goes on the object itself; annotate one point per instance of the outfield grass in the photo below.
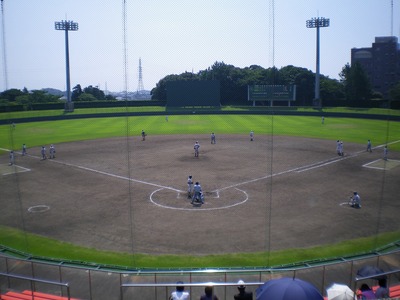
(14, 116)
(55, 132)
(346, 129)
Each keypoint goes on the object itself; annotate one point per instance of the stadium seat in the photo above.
(27, 295)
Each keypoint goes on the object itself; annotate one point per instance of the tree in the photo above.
(395, 92)
(86, 97)
(11, 94)
(95, 92)
(76, 92)
(357, 85)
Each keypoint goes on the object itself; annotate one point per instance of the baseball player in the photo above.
(143, 135)
(43, 152)
(251, 135)
(190, 186)
(196, 149)
(385, 152)
(12, 159)
(197, 193)
(369, 146)
(24, 150)
(213, 141)
(355, 201)
(52, 151)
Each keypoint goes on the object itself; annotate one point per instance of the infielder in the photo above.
(43, 152)
(12, 159)
(196, 149)
(213, 141)
(52, 151)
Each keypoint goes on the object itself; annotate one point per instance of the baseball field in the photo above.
(110, 197)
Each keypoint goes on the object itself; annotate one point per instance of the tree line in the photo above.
(352, 89)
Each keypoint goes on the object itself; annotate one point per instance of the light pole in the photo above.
(317, 23)
(67, 26)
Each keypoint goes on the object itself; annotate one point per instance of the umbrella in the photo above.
(370, 271)
(288, 289)
(340, 292)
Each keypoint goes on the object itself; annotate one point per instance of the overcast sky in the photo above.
(174, 36)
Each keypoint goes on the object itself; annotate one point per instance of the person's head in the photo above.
(190, 176)
(180, 288)
(241, 287)
(208, 290)
(197, 183)
(382, 282)
(355, 193)
(364, 287)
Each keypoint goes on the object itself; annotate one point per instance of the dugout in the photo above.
(193, 93)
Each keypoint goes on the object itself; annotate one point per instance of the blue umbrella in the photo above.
(288, 289)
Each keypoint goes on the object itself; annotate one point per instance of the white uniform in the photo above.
(11, 158)
(196, 149)
(213, 141)
(52, 151)
(177, 295)
(197, 193)
(190, 185)
(43, 152)
(385, 153)
(24, 149)
(252, 135)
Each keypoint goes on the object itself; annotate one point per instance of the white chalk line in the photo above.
(199, 208)
(17, 166)
(297, 169)
(104, 173)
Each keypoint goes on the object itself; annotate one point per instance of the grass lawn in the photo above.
(54, 132)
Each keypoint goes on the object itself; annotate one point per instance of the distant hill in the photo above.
(54, 92)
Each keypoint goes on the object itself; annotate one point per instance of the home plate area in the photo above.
(220, 199)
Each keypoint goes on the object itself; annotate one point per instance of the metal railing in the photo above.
(33, 281)
(84, 282)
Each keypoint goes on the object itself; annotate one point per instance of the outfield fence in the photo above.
(86, 282)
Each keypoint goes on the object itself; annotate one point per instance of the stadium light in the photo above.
(67, 26)
(317, 23)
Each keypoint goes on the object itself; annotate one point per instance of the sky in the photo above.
(175, 36)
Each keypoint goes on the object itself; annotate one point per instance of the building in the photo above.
(381, 62)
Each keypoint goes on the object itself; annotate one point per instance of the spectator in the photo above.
(208, 294)
(243, 295)
(179, 293)
(366, 292)
(382, 291)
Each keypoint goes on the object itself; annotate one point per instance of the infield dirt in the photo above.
(128, 195)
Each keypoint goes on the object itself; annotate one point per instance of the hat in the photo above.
(241, 284)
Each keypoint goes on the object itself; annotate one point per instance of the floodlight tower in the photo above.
(317, 23)
(140, 87)
(67, 26)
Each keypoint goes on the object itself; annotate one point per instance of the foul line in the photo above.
(104, 173)
(305, 168)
